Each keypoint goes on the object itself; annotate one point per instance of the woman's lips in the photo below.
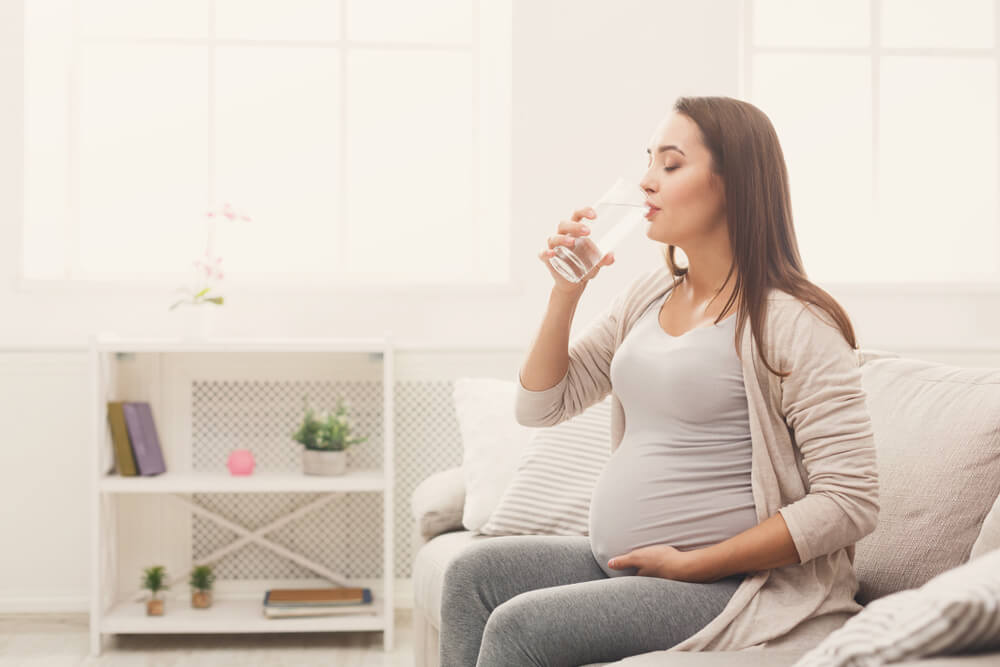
(651, 212)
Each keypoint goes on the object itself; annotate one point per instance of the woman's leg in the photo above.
(490, 572)
(600, 621)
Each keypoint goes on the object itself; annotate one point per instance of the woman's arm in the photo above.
(766, 546)
(585, 368)
(548, 359)
(824, 405)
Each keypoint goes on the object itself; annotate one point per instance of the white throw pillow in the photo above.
(492, 443)
(551, 490)
(956, 611)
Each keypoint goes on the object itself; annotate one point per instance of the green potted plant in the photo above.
(325, 438)
(154, 579)
(201, 582)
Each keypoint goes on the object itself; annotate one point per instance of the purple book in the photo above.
(145, 442)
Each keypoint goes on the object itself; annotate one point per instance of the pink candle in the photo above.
(240, 462)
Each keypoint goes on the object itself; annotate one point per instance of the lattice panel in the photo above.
(345, 535)
(262, 415)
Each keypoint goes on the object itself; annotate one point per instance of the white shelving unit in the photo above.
(237, 610)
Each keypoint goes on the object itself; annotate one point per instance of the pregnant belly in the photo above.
(685, 502)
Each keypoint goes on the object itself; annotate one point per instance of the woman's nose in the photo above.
(647, 183)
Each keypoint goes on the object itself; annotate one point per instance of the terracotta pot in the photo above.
(201, 599)
(154, 607)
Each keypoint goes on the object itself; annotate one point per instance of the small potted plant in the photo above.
(325, 439)
(154, 580)
(201, 582)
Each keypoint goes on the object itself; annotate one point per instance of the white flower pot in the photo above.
(199, 320)
(316, 462)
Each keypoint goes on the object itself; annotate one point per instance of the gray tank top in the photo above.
(681, 475)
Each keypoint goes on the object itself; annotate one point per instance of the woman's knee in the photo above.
(469, 567)
(515, 631)
(516, 616)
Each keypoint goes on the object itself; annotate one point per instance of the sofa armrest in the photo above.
(438, 502)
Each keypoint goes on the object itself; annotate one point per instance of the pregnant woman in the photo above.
(743, 465)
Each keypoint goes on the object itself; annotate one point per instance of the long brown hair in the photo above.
(747, 156)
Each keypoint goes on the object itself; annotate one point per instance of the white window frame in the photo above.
(875, 51)
(492, 46)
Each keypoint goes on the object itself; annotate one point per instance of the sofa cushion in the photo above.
(954, 612)
(937, 438)
(551, 489)
(429, 567)
(752, 658)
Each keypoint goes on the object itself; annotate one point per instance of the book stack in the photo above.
(295, 602)
(134, 438)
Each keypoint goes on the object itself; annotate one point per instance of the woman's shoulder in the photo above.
(797, 327)
(788, 309)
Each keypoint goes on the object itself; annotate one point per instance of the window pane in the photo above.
(820, 107)
(47, 33)
(142, 162)
(938, 169)
(411, 166)
(278, 147)
(937, 23)
(289, 19)
(811, 23)
(431, 21)
(145, 19)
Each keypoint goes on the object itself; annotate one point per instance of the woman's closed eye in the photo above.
(670, 168)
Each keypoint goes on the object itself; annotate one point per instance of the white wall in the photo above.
(590, 80)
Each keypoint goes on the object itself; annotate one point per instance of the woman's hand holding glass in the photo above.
(566, 234)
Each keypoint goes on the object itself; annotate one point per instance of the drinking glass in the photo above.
(619, 212)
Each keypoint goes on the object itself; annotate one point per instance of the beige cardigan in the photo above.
(813, 459)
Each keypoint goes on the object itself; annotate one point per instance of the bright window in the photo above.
(887, 114)
(368, 140)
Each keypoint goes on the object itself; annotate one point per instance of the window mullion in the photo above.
(876, 45)
(746, 39)
(342, 251)
(996, 63)
(212, 94)
(72, 268)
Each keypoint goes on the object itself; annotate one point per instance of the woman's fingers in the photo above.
(575, 228)
(561, 239)
(567, 233)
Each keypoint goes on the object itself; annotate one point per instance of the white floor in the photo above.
(62, 639)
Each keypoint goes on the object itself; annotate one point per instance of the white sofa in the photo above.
(929, 419)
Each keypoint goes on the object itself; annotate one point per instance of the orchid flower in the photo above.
(209, 266)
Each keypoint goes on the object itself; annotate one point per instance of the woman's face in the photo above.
(680, 182)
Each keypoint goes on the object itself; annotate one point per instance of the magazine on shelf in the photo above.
(312, 597)
(295, 602)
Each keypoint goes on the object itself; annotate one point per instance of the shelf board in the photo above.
(230, 615)
(113, 343)
(222, 482)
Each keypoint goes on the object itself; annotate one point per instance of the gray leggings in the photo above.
(544, 600)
